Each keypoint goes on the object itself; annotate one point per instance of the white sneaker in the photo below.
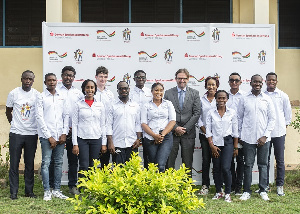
(58, 194)
(245, 196)
(228, 198)
(268, 189)
(280, 191)
(264, 196)
(218, 196)
(47, 195)
(204, 190)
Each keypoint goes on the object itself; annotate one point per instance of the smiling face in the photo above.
(221, 99)
(234, 82)
(182, 80)
(158, 93)
(89, 90)
(211, 86)
(271, 82)
(123, 90)
(50, 82)
(256, 84)
(140, 79)
(101, 79)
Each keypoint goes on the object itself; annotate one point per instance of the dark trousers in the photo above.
(16, 143)
(122, 154)
(187, 151)
(222, 164)
(279, 145)
(145, 155)
(238, 172)
(88, 151)
(206, 159)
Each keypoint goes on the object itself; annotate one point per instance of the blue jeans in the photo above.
(262, 163)
(222, 164)
(47, 152)
(89, 150)
(206, 159)
(278, 143)
(159, 153)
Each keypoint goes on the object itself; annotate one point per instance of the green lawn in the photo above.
(290, 203)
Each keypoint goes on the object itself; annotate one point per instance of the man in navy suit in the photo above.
(187, 105)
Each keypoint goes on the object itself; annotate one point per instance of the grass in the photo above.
(287, 204)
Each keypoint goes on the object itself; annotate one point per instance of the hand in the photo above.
(179, 131)
(52, 142)
(62, 139)
(103, 149)
(75, 150)
(235, 152)
(261, 141)
(214, 151)
(111, 147)
(136, 144)
(158, 138)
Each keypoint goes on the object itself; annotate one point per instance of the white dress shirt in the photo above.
(123, 122)
(106, 97)
(73, 95)
(283, 110)
(234, 99)
(23, 114)
(52, 115)
(205, 107)
(157, 117)
(219, 127)
(89, 122)
(140, 96)
(256, 117)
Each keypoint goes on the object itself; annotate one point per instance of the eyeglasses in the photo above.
(234, 80)
(69, 75)
(181, 79)
(140, 77)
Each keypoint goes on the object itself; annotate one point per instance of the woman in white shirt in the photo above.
(158, 117)
(208, 102)
(222, 135)
(88, 127)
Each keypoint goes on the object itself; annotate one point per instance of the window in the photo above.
(23, 22)
(289, 24)
(156, 11)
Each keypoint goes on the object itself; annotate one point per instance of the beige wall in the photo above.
(15, 60)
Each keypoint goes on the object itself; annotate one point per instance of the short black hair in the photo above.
(27, 71)
(120, 82)
(68, 68)
(139, 71)
(235, 73)
(271, 73)
(255, 75)
(85, 83)
(102, 70)
(219, 91)
(156, 84)
(214, 78)
(48, 75)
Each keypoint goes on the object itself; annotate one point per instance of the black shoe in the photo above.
(30, 195)
(13, 196)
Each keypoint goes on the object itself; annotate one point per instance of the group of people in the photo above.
(93, 124)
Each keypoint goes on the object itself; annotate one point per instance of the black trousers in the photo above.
(16, 143)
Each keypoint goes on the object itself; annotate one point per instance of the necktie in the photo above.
(181, 99)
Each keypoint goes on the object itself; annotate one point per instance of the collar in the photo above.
(239, 92)
(275, 91)
(47, 93)
(64, 87)
(178, 89)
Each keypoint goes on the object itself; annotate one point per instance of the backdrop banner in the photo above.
(160, 50)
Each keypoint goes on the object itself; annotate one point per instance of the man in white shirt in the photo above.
(283, 119)
(234, 97)
(72, 95)
(256, 118)
(105, 96)
(20, 113)
(53, 126)
(141, 95)
(124, 131)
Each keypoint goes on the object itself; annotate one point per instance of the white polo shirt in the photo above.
(205, 107)
(140, 96)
